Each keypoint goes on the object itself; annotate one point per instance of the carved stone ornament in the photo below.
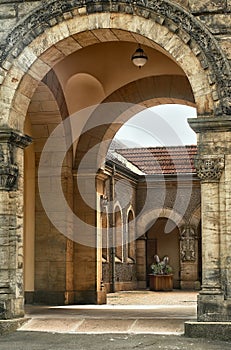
(209, 168)
(9, 141)
(187, 243)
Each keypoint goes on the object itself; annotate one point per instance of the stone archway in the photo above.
(149, 221)
(30, 54)
(161, 243)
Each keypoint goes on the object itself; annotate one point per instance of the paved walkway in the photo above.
(134, 312)
(130, 320)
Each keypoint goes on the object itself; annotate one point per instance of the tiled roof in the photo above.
(162, 160)
(118, 159)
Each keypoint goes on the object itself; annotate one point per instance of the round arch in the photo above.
(147, 219)
(131, 234)
(33, 61)
(55, 30)
(156, 90)
(157, 242)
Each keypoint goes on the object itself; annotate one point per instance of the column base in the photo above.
(9, 326)
(11, 308)
(91, 297)
(211, 330)
(66, 298)
(213, 307)
(47, 297)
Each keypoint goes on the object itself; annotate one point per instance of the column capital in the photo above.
(10, 140)
(14, 137)
(209, 167)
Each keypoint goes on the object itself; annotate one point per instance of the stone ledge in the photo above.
(8, 326)
(211, 330)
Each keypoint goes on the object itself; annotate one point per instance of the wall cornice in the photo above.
(206, 124)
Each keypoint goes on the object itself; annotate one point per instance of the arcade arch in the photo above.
(166, 31)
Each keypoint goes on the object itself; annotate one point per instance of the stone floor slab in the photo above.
(105, 326)
(162, 326)
(61, 325)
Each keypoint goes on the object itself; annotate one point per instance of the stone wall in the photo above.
(178, 201)
(164, 197)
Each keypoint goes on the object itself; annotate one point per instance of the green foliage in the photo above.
(161, 267)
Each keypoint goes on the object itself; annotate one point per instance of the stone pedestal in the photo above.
(210, 330)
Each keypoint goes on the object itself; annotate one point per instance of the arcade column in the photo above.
(12, 144)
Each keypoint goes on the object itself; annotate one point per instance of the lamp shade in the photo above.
(139, 58)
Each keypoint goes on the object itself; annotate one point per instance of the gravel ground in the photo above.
(176, 297)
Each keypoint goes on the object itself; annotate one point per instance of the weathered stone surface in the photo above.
(217, 23)
(225, 43)
(7, 11)
(207, 5)
(211, 330)
(26, 7)
(8, 326)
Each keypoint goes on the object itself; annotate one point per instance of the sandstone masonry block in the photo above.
(26, 7)
(7, 11)
(207, 5)
(217, 23)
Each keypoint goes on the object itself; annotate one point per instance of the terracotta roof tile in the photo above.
(162, 160)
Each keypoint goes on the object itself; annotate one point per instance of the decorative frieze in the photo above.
(9, 172)
(209, 168)
(187, 243)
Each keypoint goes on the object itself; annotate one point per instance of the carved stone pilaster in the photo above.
(187, 243)
(9, 172)
(209, 168)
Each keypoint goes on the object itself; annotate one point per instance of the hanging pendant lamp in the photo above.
(139, 58)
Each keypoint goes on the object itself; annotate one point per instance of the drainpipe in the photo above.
(112, 215)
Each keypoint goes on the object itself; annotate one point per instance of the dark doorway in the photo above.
(162, 243)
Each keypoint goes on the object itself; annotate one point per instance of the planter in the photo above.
(161, 282)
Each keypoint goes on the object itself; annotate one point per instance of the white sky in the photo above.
(164, 125)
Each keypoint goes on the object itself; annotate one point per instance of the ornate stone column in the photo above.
(214, 170)
(209, 169)
(11, 223)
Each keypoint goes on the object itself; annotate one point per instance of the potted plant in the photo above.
(161, 277)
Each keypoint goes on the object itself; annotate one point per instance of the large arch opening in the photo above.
(183, 62)
(161, 81)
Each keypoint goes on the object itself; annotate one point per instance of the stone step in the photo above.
(105, 325)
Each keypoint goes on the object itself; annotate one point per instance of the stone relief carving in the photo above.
(209, 168)
(187, 243)
(9, 172)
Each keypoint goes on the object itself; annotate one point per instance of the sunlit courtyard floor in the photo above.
(132, 312)
(146, 297)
